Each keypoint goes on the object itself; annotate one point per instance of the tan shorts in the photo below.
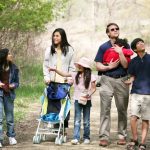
(140, 106)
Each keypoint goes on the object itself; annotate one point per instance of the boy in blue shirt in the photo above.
(140, 93)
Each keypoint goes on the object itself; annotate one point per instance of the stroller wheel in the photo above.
(36, 139)
(43, 137)
(59, 141)
(65, 139)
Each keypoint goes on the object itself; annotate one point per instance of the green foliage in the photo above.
(31, 82)
(19, 20)
(27, 15)
(30, 90)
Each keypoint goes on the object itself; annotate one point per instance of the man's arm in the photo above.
(99, 58)
(111, 65)
(122, 58)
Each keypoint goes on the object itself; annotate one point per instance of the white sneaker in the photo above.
(75, 142)
(1, 145)
(86, 141)
(12, 141)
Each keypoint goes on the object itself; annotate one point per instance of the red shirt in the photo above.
(111, 55)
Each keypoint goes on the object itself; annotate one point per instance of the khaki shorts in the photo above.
(140, 106)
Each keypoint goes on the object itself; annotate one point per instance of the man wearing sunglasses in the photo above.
(112, 85)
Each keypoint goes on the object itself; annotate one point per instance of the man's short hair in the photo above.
(110, 24)
(134, 42)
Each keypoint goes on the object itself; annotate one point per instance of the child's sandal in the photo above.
(142, 147)
(132, 145)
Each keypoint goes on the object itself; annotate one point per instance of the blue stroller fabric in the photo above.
(57, 91)
(50, 117)
(56, 117)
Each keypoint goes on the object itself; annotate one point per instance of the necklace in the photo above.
(5, 68)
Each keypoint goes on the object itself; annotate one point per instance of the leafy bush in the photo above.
(28, 15)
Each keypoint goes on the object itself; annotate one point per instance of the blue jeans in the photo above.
(7, 104)
(86, 120)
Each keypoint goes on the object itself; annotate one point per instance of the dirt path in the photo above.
(26, 129)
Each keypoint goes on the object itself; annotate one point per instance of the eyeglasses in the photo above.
(114, 29)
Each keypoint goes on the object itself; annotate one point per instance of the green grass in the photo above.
(30, 89)
(31, 82)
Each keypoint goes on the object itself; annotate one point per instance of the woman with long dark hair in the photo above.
(9, 81)
(59, 55)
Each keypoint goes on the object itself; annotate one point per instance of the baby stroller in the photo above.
(55, 91)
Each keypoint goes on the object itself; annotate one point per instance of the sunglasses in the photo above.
(114, 29)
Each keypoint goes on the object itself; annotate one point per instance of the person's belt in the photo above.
(116, 76)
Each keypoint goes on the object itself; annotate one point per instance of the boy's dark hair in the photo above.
(122, 42)
(134, 42)
(110, 24)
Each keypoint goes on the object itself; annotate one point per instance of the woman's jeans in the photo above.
(7, 104)
(86, 120)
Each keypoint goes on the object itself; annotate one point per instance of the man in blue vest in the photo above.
(112, 85)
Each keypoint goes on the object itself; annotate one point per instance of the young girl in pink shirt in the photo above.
(84, 87)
